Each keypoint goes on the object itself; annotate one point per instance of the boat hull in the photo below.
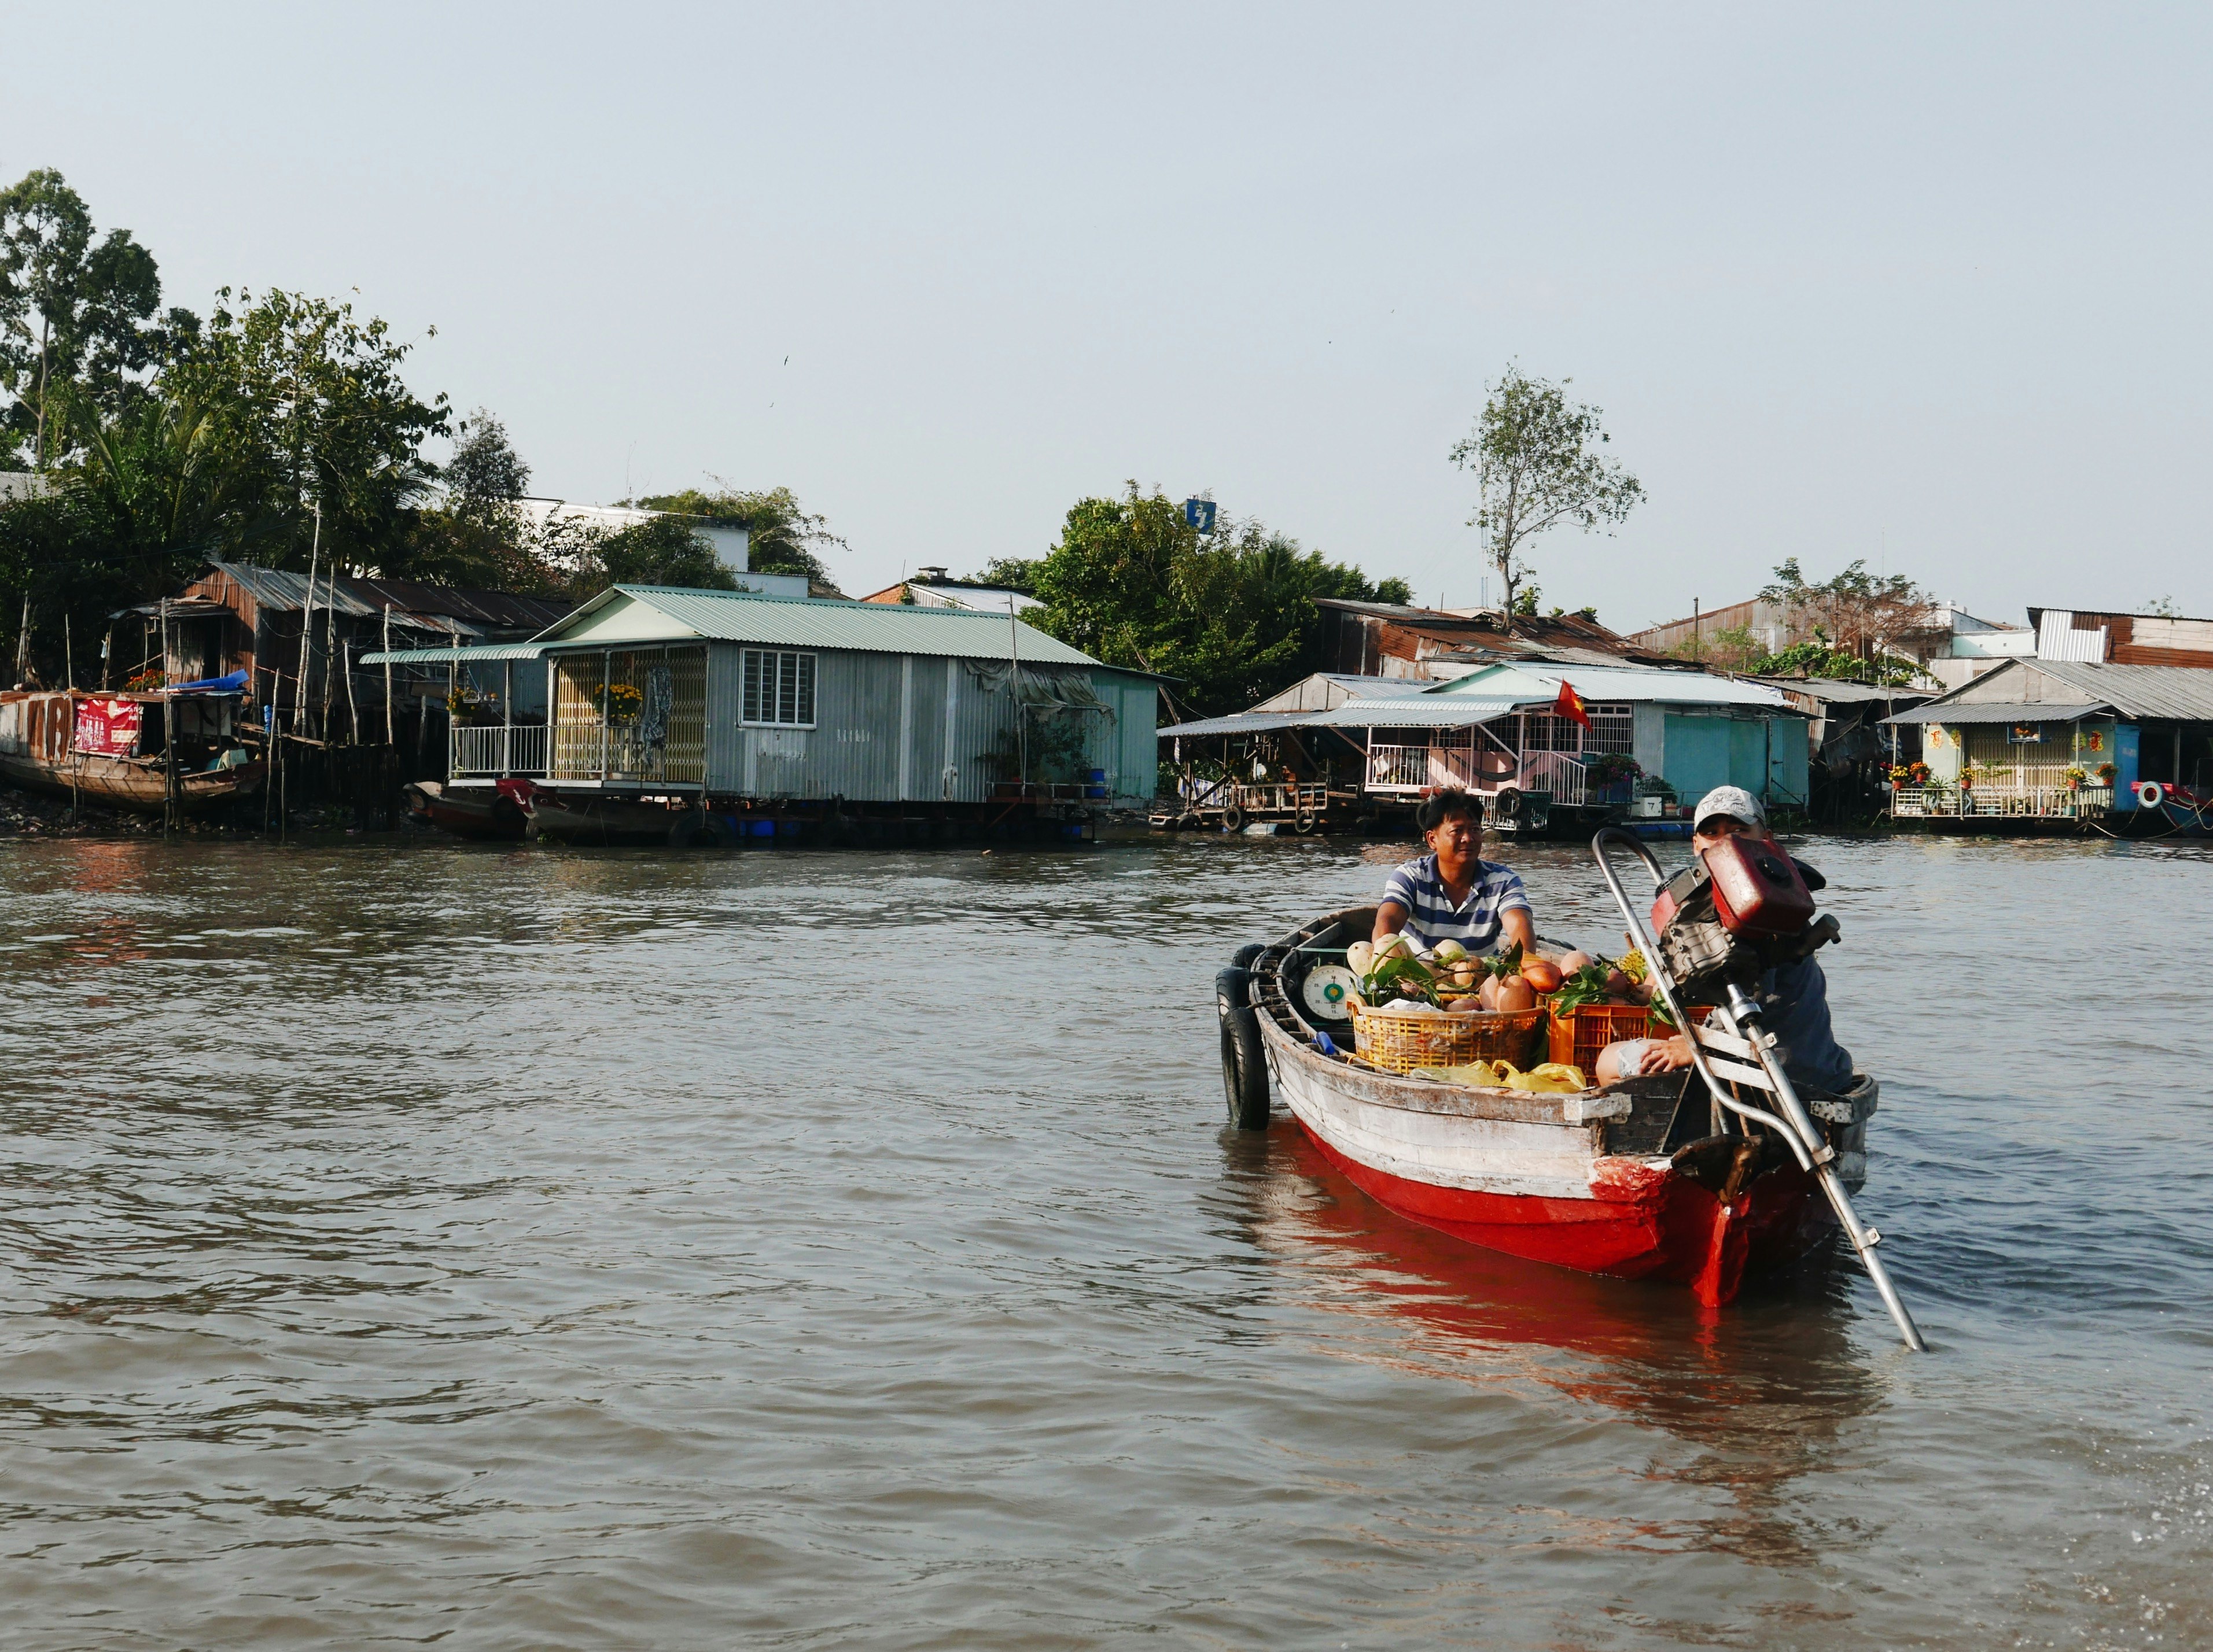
(610, 821)
(1531, 1176)
(125, 784)
(487, 815)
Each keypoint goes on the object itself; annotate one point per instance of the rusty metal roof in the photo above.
(2184, 693)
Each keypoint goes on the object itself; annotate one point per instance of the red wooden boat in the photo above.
(1649, 1178)
(494, 811)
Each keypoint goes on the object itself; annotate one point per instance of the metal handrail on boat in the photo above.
(1795, 1125)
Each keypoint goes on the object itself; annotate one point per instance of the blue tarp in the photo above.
(233, 683)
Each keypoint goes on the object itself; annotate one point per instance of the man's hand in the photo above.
(1665, 1056)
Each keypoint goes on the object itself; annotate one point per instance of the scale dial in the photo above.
(1328, 992)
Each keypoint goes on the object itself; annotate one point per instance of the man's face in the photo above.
(1455, 839)
(1714, 827)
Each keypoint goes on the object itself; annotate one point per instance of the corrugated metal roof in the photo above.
(1842, 693)
(2184, 693)
(1243, 722)
(284, 591)
(817, 621)
(1997, 711)
(1420, 712)
(1612, 683)
(2181, 691)
(442, 656)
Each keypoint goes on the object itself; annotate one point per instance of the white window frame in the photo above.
(1613, 720)
(796, 696)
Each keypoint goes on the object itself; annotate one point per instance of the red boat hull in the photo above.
(1644, 1222)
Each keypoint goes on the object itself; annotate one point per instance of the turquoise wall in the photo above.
(1767, 756)
(1697, 755)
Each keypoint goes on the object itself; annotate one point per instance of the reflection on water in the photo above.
(1761, 1390)
(531, 1247)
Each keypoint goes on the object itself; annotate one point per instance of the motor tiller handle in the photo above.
(1746, 1021)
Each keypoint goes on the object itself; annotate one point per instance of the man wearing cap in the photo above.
(1797, 995)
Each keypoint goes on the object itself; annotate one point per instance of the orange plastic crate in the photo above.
(1578, 1035)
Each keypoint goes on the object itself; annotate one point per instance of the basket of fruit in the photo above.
(1447, 1008)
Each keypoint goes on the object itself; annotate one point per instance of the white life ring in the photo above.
(2150, 794)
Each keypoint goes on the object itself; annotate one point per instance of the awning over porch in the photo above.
(1419, 711)
(1998, 711)
(494, 651)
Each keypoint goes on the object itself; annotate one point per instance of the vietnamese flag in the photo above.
(1571, 705)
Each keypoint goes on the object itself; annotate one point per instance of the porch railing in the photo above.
(1419, 768)
(1950, 802)
(520, 750)
(1566, 777)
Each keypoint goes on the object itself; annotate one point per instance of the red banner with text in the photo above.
(107, 727)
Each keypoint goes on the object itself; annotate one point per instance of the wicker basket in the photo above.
(1399, 1043)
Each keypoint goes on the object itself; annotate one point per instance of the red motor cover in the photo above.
(1756, 890)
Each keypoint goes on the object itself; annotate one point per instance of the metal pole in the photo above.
(69, 666)
(1747, 1019)
(168, 731)
(307, 625)
(1015, 685)
(389, 738)
(353, 705)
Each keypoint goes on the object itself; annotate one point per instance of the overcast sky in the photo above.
(1926, 286)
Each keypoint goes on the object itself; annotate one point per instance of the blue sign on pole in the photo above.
(1200, 514)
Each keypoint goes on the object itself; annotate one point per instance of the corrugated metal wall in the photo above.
(892, 728)
(884, 724)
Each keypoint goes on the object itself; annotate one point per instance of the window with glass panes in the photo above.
(779, 688)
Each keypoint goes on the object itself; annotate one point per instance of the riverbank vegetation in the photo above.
(277, 428)
(1230, 613)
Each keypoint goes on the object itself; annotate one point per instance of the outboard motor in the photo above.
(1742, 908)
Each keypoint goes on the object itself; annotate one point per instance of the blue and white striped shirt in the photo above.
(1431, 915)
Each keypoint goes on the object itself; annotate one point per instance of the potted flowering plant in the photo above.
(618, 702)
(1613, 774)
(2075, 778)
(2105, 772)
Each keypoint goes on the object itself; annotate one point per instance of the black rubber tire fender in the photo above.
(1244, 1057)
(1506, 804)
(1233, 818)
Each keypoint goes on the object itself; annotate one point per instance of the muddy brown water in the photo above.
(516, 1247)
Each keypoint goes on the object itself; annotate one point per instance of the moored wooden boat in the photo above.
(1631, 1180)
(585, 819)
(484, 813)
(136, 783)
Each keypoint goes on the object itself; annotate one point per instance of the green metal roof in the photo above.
(817, 622)
(448, 655)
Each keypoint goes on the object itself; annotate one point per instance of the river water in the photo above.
(514, 1247)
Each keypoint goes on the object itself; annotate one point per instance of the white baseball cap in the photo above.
(1733, 801)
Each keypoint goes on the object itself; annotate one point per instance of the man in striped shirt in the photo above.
(1451, 893)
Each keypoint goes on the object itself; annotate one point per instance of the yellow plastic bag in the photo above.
(1550, 1079)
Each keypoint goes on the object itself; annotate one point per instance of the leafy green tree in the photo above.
(1537, 465)
(309, 403)
(1231, 613)
(475, 537)
(782, 538)
(664, 551)
(75, 316)
(1009, 573)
